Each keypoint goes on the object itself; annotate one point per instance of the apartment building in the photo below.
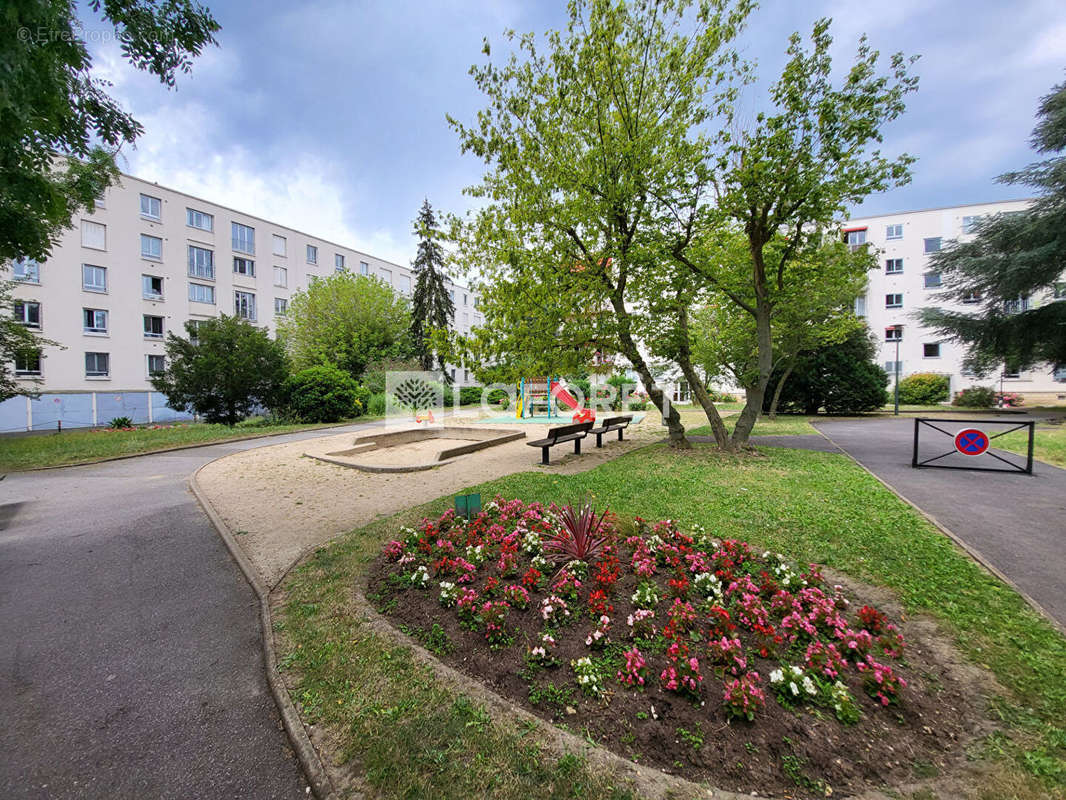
(904, 283)
(143, 263)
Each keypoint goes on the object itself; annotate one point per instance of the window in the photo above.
(157, 365)
(894, 266)
(151, 207)
(1059, 373)
(201, 262)
(281, 305)
(243, 238)
(855, 239)
(466, 376)
(279, 246)
(338, 262)
(386, 275)
(451, 295)
(1012, 372)
(464, 300)
(199, 219)
(201, 293)
(860, 306)
(93, 235)
(93, 279)
(153, 327)
(932, 280)
(97, 365)
(1060, 291)
(244, 305)
(969, 223)
(312, 254)
(193, 327)
(894, 231)
(405, 284)
(932, 244)
(1016, 306)
(364, 268)
(26, 270)
(931, 350)
(27, 362)
(894, 300)
(892, 366)
(29, 314)
(101, 201)
(151, 287)
(970, 298)
(244, 266)
(95, 320)
(151, 247)
(281, 276)
(894, 334)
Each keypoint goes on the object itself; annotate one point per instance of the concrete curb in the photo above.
(314, 771)
(969, 549)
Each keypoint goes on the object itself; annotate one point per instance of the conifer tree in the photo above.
(432, 307)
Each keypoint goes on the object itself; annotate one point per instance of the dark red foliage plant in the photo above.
(581, 536)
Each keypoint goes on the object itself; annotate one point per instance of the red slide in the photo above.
(568, 400)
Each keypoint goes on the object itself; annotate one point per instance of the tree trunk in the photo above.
(630, 350)
(780, 386)
(754, 395)
(699, 387)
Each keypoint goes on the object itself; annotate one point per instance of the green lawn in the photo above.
(415, 737)
(1049, 443)
(782, 426)
(77, 447)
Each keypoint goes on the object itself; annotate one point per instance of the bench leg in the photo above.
(577, 446)
(599, 440)
(544, 455)
(619, 434)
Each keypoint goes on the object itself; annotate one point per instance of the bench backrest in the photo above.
(566, 430)
(612, 422)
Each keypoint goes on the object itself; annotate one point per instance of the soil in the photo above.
(788, 753)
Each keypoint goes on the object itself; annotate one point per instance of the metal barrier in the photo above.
(970, 443)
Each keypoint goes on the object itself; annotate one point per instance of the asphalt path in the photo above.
(131, 659)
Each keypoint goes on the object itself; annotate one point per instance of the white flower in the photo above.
(797, 671)
(777, 676)
(793, 687)
(808, 686)
(420, 577)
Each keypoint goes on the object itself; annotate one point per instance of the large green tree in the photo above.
(581, 136)
(432, 307)
(1013, 258)
(347, 320)
(223, 369)
(782, 180)
(52, 106)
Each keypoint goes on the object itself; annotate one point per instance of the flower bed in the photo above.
(677, 649)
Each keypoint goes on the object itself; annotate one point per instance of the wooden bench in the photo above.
(563, 433)
(611, 424)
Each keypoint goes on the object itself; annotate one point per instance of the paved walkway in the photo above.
(1016, 522)
(131, 662)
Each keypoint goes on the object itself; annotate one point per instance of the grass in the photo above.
(79, 447)
(1049, 443)
(414, 737)
(782, 426)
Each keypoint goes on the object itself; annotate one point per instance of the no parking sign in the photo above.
(971, 442)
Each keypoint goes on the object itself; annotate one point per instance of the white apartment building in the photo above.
(144, 262)
(903, 283)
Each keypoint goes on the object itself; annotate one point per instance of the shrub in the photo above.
(376, 405)
(120, 422)
(975, 397)
(324, 393)
(923, 389)
(1010, 399)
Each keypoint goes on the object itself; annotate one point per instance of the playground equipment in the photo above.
(546, 392)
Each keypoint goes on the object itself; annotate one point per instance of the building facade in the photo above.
(904, 283)
(147, 260)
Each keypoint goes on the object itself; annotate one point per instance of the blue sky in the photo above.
(330, 116)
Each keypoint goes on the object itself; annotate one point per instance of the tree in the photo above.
(348, 320)
(580, 140)
(814, 308)
(781, 182)
(841, 378)
(431, 306)
(17, 344)
(1013, 257)
(224, 370)
(59, 130)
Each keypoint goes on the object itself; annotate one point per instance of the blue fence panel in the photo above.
(161, 412)
(13, 415)
(74, 410)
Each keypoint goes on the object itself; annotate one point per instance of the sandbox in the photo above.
(415, 449)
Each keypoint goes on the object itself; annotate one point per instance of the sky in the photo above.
(330, 117)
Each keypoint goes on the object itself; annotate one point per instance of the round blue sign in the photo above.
(971, 442)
